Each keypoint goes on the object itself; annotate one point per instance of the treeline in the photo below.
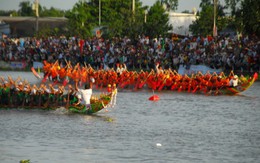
(26, 9)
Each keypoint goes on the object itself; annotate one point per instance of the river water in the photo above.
(180, 127)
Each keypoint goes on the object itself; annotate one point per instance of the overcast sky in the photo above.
(68, 4)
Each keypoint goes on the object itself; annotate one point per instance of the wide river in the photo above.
(180, 127)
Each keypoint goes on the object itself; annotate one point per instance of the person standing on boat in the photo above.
(86, 93)
(159, 69)
(120, 68)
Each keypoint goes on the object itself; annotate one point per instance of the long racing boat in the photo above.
(27, 97)
(215, 84)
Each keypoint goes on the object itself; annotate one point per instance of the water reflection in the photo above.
(101, 117)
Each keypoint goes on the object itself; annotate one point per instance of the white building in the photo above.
(181, 22)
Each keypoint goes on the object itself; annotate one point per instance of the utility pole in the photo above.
(36, 8)
(133, 7)
(215, 13)
(145, 16)
(99, 21)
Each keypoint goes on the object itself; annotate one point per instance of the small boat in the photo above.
(12, 99)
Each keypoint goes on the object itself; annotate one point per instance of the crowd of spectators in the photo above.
(228, 53)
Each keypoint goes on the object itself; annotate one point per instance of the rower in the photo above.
(109, 89)
(60, 95)
(26, 90)
(71, 96)
(53, 94)
(243, 79)
(42, 95)
(33, 95)
(5, 98)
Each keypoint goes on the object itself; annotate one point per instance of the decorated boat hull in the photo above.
(230, 90)
(95, 104)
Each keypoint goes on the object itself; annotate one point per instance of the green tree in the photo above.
(116, 15)
(8, 13)
(25, 9)
(52, 12)
(251, 16)
(80, 19)
(186, 11)
(233, 5)
(119, 18)
(204, 24)
(157, 21)
(205, 3)
(170, 4)
(245, 15)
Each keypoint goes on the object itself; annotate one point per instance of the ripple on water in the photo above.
(189, 127)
